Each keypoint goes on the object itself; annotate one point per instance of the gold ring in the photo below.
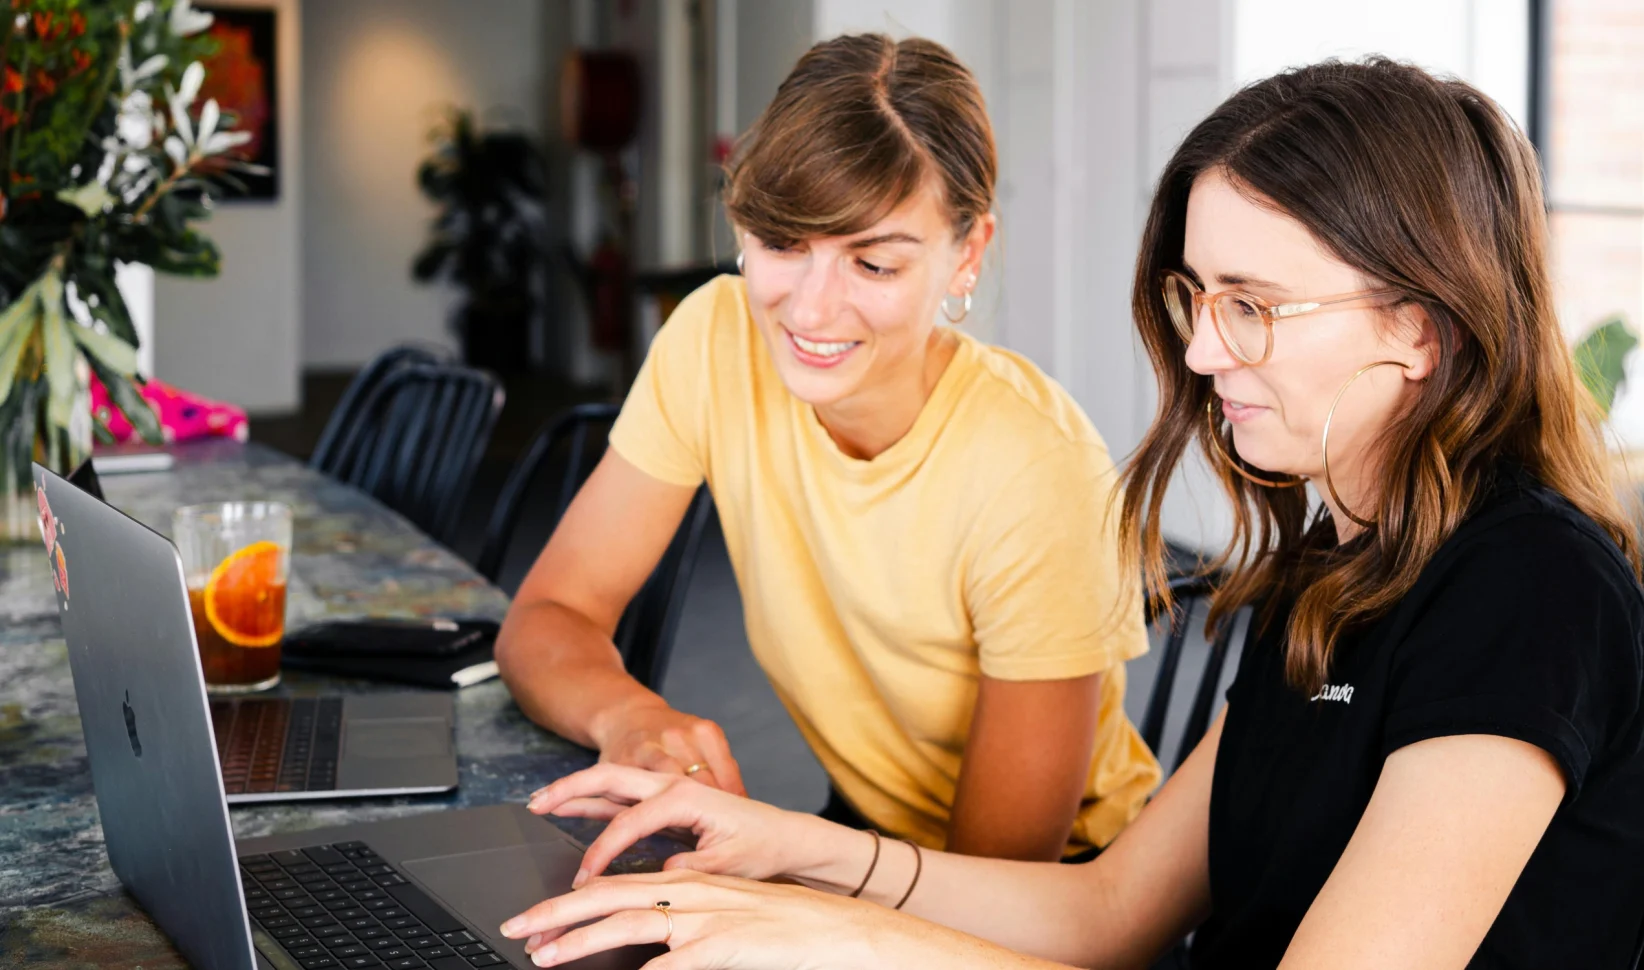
(694, 769)
(662, 907)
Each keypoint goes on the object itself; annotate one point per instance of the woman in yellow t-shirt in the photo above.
(918, 522)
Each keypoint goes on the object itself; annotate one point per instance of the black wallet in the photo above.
(444, 653)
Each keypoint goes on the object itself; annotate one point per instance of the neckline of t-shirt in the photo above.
(908, 447)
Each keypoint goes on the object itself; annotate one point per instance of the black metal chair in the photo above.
(645, 634)
(416, 441)
(1187, 591)
(348, 413)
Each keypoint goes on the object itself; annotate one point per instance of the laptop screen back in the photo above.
(130, 637)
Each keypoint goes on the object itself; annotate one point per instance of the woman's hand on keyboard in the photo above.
(733, 835)
(723, 923)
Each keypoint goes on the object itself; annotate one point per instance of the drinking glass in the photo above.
(236, 558)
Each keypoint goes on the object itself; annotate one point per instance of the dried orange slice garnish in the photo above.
(240, 601)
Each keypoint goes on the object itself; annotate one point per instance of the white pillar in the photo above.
(677, 143)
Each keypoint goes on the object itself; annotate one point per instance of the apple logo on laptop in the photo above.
(131, 725)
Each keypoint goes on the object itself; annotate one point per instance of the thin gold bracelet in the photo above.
(871, 866)
(918, 867)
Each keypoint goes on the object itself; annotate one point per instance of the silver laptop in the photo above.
(425, 891)
(277, 749)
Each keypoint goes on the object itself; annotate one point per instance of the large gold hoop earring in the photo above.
(1324, 443)
(1222, 452)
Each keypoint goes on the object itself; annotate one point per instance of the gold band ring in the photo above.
(663, 907)
(695, 768)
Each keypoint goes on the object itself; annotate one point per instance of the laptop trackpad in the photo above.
(489, 886)
(399, 737)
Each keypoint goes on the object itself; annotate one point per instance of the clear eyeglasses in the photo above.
(1244, 322)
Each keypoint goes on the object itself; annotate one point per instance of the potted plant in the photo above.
(489, 237)
(104, 159)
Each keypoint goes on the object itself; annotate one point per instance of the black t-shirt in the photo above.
(1526, 624)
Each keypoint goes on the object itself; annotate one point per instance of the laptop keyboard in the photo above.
(343, 906)
(278, 744)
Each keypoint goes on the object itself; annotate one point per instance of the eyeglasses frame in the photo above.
(1270, 312)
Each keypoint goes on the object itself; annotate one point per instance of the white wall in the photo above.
(757, 42)
(770, 37)
(376, 73)
(238, 337)
(934, 19)
(1188, 73)
(1484, 42)
(970, 28)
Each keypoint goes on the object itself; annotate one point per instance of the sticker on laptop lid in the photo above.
(51, 529)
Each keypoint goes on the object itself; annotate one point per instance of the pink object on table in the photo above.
(183, 416)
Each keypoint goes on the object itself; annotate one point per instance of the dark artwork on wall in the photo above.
(243, 76)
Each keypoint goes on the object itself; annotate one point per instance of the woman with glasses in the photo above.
(1432, 755)
(919, 523)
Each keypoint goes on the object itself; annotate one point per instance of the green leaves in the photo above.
(17, 329)
(92, 198)
(1601, 360)
(117, 355)
(40, 317)
(87, 184)
(59, 347)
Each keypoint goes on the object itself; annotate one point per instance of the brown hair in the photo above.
(860, 124)
(1423, 185)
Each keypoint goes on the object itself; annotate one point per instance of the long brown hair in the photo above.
(860, 124)
(1423, 185)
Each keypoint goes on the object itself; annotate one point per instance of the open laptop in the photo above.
(277, 749)
(407, 893)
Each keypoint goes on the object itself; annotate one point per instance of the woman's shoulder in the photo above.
(1521, 523)
(1528, 557)
(1529, 622)
(711, 325)
(719, 304)
(1018, 407)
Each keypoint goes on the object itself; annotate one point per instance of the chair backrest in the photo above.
(645, 634)
(418, 441)
(1187, 591)
(349, 410)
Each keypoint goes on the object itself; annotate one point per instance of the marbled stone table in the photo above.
(60, 904)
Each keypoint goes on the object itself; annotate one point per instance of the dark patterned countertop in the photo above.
(60, 904)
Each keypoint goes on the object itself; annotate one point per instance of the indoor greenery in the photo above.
(105, 158)
(1601, 359)
(489, 236)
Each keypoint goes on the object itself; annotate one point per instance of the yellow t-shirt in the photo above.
(878, 592)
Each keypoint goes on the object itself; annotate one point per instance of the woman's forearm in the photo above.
(1146, 890)
(1048, 910)
(931, 945)
(564, 673)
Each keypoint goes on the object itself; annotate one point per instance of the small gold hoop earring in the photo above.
(1222, 452)
(1324, 442)
(962, 313)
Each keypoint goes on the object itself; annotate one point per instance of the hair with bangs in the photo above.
(859, 126)
(1423, 185)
